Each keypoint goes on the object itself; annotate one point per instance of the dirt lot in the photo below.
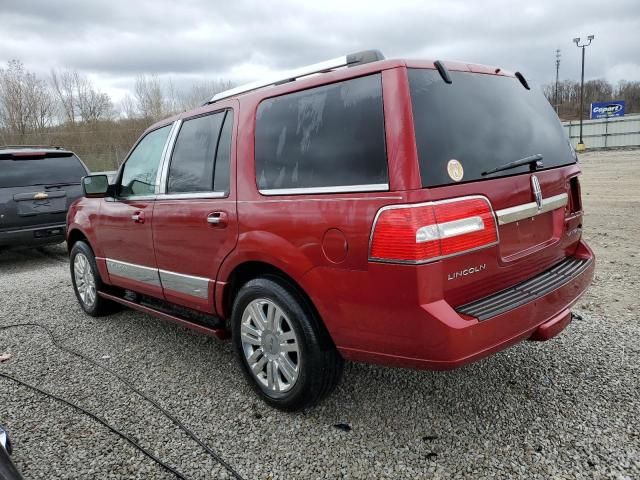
(564, 409)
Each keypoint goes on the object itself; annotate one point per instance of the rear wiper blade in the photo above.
(535, 161)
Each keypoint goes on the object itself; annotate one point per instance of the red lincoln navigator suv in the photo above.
(403, 212)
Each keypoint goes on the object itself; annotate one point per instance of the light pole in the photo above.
(576, 40)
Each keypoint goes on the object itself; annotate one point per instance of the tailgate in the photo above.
(38, 203)
(37, 186)
(530, 238)
(28, 207)
(490, 136)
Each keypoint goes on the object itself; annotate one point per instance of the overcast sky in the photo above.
(240, 40)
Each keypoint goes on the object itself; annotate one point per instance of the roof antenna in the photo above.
(523, 80)
(442, 70)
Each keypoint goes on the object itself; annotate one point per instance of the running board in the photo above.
(220, 333)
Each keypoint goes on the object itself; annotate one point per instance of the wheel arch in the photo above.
(248, 270)
(75, 235)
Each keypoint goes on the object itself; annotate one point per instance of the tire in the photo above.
(295, 364)
(87, 282)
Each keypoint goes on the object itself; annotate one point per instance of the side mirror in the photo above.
(95, 186)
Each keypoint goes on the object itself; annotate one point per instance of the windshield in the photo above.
(483, 122)
(40, 171)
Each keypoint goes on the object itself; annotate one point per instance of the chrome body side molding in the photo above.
(528, 210)
(176, 282)
(374, 187)
(191, 196)
(187, 284)
(131, 271)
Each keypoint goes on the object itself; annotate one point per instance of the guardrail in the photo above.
(605, 132)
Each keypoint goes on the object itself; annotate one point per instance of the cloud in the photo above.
(113, 41)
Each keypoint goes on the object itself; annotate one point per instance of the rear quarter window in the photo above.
(328, 136)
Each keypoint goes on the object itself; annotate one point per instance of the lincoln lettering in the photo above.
(466, 272)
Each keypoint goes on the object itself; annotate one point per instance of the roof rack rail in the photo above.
(32, 146)
(358, 58)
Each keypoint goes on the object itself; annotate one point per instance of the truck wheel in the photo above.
(87, 282)
(280, 346)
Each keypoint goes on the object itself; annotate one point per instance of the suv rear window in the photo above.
(328, 136)
(27, 171)
(483, 121)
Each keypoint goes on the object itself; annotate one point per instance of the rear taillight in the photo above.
(425, 232)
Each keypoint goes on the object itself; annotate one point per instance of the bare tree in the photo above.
(598, 90)
(149, 96)
(93, 105)
(63, 84)
(14, 110)
(172, 98)
(43, 105)
(630, 92)
(127, 107)
(25, 101)
(78, 98)
(201, 92)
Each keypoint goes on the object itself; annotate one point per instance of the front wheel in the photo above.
(87, 282)
(281, 348)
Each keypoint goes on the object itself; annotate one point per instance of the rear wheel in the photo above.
(87, 282)
(280, 346)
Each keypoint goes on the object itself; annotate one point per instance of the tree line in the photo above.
(66, 108)
(567, 100)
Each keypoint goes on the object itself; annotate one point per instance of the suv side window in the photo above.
(141, 168)
(194, 156)
(323, 137)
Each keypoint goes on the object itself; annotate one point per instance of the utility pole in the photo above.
(555, 97)
(581, 145)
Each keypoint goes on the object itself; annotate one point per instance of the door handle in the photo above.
(217, 219)
(138, 217)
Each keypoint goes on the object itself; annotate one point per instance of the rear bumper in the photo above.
(433, 335)
(33, 236)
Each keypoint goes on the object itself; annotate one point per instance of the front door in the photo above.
(125, 222)
(195, 222)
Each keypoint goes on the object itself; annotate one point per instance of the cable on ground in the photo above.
(126, 382)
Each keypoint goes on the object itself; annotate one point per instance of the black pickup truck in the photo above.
(37, 185)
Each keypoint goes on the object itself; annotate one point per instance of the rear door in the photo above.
(124, 225)
(195, 221)
(475, 124)
(37, 187)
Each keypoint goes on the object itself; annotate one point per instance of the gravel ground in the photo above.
(563, 409)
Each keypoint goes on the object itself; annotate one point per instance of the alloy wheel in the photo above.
(85, 282)
(270, 345)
